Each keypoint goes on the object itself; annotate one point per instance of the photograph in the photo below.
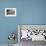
(10, 11)
(30, 33)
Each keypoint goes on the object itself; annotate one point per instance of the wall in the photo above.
(28, 12)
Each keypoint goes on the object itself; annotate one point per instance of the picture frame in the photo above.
(39, 35)
(10, 12)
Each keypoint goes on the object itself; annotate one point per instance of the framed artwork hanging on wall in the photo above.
(10, 11)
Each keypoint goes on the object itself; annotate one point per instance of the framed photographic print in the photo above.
(10, 11)
(33, 32)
